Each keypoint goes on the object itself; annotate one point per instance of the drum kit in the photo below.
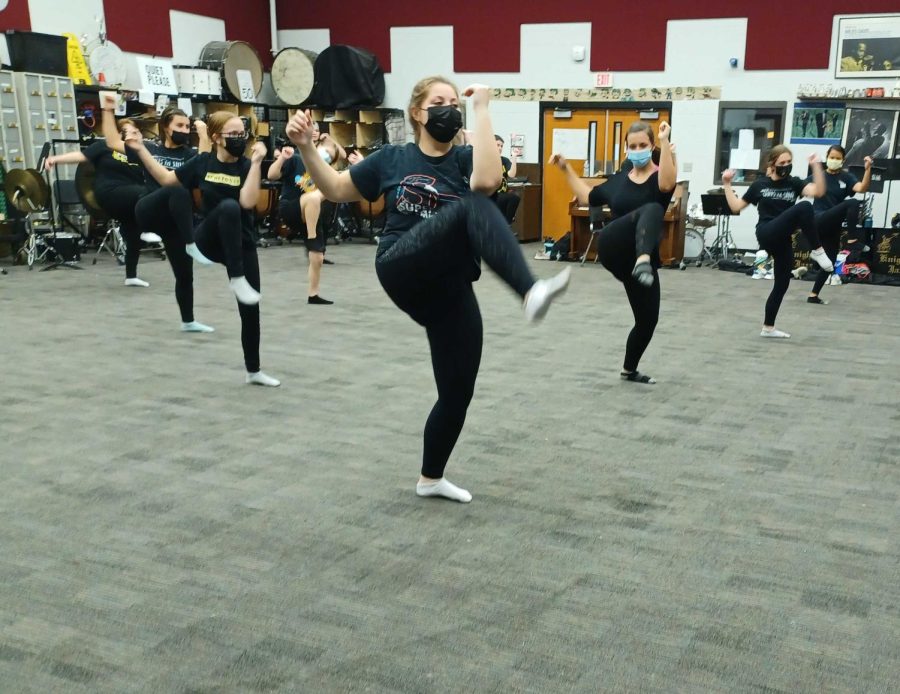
(29, 193)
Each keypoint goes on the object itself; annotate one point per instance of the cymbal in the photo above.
(26, 190)
(84, 186)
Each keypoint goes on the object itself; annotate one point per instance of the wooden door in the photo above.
(608, 154)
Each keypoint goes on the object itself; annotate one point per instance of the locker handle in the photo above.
(7, 90)
(17, 159)
(35, 92)
(12, 125)
(39, 126)
(70, 129)
(51, 94)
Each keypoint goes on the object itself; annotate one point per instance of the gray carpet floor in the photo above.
(166, 528)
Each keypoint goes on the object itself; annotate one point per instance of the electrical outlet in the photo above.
(687, 167)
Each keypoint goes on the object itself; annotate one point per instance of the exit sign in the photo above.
(603, 79)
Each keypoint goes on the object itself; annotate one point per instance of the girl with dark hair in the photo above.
(163, 210)
(775, 196)
(118, 185)
(628, 246)
(440, 224)
(229, 186)
(836, 207)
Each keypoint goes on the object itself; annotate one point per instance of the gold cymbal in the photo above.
(84, 185)
(26, 190)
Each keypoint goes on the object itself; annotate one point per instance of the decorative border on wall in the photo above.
(607, 94)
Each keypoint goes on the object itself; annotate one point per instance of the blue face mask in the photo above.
(639, 157)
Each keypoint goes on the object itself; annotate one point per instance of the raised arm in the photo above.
(735, 203)
(67, 158)
(513, 163)
(204, 144)
(863, 185)
(815, 189)
(250, 190)
(667, 175)
(581, 189)
(159, 172)
(276, 166)
(487, 171)
(108, 125)
(337, 187)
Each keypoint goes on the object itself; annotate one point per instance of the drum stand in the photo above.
(722, 242)
(112, 242)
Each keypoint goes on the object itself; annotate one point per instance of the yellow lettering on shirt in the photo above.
(118, 156)
(223, 179)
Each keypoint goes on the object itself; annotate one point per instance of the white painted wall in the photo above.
(316, 40)
(190, 33)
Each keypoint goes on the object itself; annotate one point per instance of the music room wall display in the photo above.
(817, 123)
(869, 132)
(868, 47)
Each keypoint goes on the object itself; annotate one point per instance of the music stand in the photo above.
(717, 206)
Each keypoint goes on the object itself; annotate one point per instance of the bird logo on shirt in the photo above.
(417, 194)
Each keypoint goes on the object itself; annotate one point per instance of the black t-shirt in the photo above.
(507, 165)
(838, 187)
(294, 179)
(624, 195)
(217, 181)
(415, 185)
(774, 197)
(113, 169)
(173, 158)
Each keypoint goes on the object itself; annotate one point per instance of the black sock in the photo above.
(318, 300)
(325, 261)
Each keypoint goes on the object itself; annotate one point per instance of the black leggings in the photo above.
(776, 237)
(167, 212)
(119, 203)
(428, 273)
(828, 224)
(219, 237)
(508, 204)
(619, 244)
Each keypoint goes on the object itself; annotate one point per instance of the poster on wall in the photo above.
(869, 132)
(868, 47)
(817, 124)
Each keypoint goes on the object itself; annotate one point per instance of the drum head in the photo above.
(292, 75)
(242, 56)
(693, 244)
(106, 59)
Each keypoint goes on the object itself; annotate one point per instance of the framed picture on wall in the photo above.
(868, 47)
(869, 132)
(817, 124)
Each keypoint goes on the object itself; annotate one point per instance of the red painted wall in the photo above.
(15, 16)
(143, 27)
(626, 36)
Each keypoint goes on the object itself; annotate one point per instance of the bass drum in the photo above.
(228, 57)
(293, 76)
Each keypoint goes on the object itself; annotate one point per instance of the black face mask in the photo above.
(443, 122)
(180, 139)
(784, 170)
(235, 146)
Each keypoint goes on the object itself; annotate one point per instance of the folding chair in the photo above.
(597, 217)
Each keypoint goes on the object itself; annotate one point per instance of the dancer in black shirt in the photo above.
(775, 196)
(440, 224)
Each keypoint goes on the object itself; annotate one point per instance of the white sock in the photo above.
(150, 237)
(543, 292)
(195, 327)
(135, 282)
(774, 333)
(243, 291)
(258, 378)
(192, 250)
(821, 257)
(444, 488)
